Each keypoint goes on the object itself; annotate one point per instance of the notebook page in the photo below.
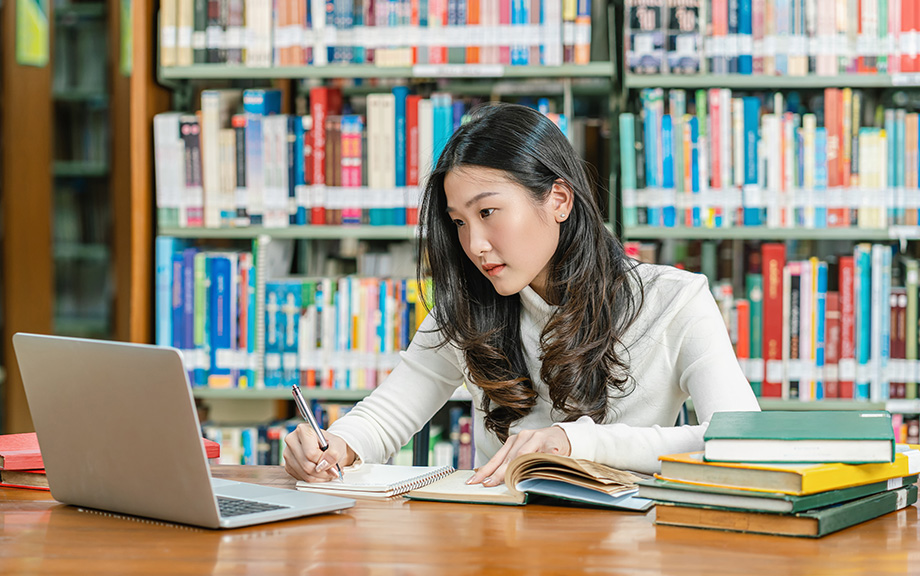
(379, 479)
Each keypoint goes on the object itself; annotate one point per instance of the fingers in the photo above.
(552, 440)
(303, 457)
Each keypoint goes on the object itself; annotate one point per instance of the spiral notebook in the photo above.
(379, 480)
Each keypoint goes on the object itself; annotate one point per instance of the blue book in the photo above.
(222, 278)
(745, 37)
(753, 214)
(442, 124)
(862, 262)
(400, 93)
(519, 18)
(651, 133)
(299, 182)
(177, 299)
(821, 176)
(331, 49)
(291, 309)
(274, 333)
(291, 139)
(694, 124)
(257, 103)
(188, 310)
(732, 56)
(820, 326)
(881, 321)
(783, 12)
(668, 211)
(165, 247)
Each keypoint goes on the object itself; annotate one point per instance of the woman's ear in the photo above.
(562, 199)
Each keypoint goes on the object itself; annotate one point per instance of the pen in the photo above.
(308, 416)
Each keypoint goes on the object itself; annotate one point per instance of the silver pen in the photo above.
(307, 415)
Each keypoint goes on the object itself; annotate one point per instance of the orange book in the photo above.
(473, 19)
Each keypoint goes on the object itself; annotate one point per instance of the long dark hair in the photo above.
(588, 277)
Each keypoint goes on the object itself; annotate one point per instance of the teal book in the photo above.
(810, 524)
(733, 498)
(838, 436)
(754, 285)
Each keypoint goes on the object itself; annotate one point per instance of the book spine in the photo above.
(773, 257)
(847, 363)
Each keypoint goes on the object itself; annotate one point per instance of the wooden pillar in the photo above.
(28, 277)
(134, 215)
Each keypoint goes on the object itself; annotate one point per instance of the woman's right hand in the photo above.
(304, 460)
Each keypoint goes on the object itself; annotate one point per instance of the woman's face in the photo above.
(507, 236)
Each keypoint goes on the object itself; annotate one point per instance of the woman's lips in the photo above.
(493, 269)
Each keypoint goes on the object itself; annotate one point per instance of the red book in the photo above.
(21, 451)
(833, 109)
(773, 257)
(324, 101)
(412, 153)
(847, 365)
(504, 19)
(831, 344)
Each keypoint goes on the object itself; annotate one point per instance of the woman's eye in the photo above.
(486, 212)
(458, 223)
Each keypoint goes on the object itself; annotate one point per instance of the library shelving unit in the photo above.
(84, 294)
(34, 169)
(738, 235)
(564, 83)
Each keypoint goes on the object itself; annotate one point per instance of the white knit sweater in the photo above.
(678, 348)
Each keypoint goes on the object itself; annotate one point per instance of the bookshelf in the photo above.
(787, 138)
(566, 85)
(51, 187)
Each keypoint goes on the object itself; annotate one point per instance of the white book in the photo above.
(169, 167)
(217, 106)
(227, 188)
(806, 330)
(185, 24)
(725, 150)
(425, 140)
(809, 126)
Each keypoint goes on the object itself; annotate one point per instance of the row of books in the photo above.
(394, 33)
(718, 159)
(263, 444)
(240, 162)
(809, 330)
(790, 498)
(239, 329)
(772, 37)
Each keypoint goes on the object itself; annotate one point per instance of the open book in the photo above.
(378, 480)
(547, 475)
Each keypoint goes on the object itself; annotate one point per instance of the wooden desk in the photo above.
(41, 536)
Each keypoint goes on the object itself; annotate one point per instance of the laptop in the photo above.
(119, 431)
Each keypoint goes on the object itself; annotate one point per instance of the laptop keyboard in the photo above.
(236, 507)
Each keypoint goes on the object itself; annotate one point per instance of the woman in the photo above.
(568, 346)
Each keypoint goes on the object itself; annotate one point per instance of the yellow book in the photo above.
(795, 479)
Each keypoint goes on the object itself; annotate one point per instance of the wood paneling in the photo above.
(135, 231)
(27, 280)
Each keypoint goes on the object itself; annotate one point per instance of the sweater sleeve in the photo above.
(423, 380)
(704, 367)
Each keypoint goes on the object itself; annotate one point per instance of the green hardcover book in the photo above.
(844, 436)
(680, 493)
(754, 285)
(200, 333)
(810, 524)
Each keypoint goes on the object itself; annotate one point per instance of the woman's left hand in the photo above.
(552, 440)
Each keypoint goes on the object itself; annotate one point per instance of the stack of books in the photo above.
(22, 466)
(803, 473)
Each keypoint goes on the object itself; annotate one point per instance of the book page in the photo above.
(455, 489)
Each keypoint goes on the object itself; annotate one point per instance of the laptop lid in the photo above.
(119, 431)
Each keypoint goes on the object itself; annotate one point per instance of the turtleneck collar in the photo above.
(536, 306)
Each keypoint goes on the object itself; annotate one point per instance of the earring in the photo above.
(562, 216)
